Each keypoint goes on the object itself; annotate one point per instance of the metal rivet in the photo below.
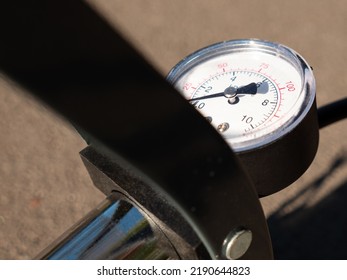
(237, 243)
(209, 119)
(223, 127)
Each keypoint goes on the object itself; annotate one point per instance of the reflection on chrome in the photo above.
(114, 230)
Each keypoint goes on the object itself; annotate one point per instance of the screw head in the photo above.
(237, 243)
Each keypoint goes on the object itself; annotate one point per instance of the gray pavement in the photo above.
(45, 187)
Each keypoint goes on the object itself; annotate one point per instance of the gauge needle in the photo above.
(231, 92)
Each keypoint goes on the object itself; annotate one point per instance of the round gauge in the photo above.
(255, 93)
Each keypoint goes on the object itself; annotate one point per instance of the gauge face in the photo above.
(251, 91)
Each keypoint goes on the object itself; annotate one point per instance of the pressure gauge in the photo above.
(261, 97)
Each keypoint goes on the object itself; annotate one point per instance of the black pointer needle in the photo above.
(249, 89)
(208, 96)
(229, 92)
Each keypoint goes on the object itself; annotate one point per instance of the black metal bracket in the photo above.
(69, 57)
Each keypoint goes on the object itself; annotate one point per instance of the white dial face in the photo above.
(246, 95)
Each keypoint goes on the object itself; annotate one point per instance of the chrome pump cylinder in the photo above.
(116, 229)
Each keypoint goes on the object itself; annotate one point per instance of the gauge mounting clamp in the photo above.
(261, 97)
(190, 186)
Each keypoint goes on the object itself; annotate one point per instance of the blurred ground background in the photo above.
(45, 187)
